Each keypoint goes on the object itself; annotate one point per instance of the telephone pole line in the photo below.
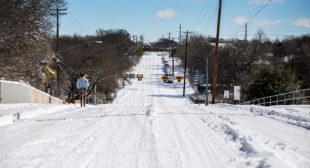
(133, 41)
(169, 48)
(172, 55)
(180, 35)
(216, 56)
(169, 40)
(185, 63)
(207, 81)
(58, 13)
(141, 39)
(246, 32)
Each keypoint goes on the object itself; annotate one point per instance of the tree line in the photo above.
(104, 58)
(25, 28)
(262, 67)
(27, 51)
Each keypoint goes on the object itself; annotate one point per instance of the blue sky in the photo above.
(155, 18)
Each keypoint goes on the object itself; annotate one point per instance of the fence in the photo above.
(294, 97)
(16, 92)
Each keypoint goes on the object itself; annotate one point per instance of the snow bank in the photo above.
(10, 113)
(298, 115)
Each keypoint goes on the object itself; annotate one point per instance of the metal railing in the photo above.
(289, 98)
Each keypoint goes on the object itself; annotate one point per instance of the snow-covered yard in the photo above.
(150, 125)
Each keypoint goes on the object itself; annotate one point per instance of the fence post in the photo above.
(303, 96)
(269, 101)
(293, 98)
(264, 101)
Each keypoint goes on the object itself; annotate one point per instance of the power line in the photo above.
(200, 12)
(77, 27)
(207, 25)
(76, 20)
(206, 13)
(258, 11)
(251, 18)
(69, 28)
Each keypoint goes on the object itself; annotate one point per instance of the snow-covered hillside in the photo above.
(150, 125)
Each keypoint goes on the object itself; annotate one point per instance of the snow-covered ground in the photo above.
(150, 125)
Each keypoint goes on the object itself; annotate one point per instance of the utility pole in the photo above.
(207, 82)
(133, 41)
(141, 39)
(95, 94)
(216, 57)
(58, 13)
(185, 63)
(172, 55)
(180, 35)
(246, 32)
(169, 47)
(169, 40)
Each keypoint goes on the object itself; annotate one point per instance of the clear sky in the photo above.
(155, 18)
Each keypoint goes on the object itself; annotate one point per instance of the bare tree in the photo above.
(104, 63)
(24, 38)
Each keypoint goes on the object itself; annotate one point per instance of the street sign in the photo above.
(226, 94)
(236, 92)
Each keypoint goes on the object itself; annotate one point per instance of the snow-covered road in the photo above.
(150, 125)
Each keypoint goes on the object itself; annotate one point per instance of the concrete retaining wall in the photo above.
(16, 92)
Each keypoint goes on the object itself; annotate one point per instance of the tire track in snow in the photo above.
(260, 145)
(51, 135)
(222, 126)
(189, 137)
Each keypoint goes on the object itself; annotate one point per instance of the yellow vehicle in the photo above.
(139, 76)
(179, 78)
(165, 77)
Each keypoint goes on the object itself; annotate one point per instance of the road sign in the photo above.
(226, 94)
(236, 92)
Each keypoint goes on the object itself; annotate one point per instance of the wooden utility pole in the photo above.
(246, 32)
(172, 55)
(207, 81)
(185, 64)
(141, 39)
(169, 40)
(58, 13)
(133, 41)
(216, 57)
(180, 38)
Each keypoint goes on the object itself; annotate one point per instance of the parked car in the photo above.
(169, 81)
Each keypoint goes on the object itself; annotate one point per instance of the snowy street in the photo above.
(150, 125)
